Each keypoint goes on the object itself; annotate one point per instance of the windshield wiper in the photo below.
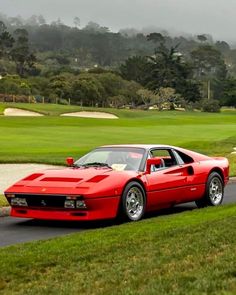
(96, 164)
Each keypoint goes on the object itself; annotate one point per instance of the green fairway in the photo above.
(51, 139)
(188, 253)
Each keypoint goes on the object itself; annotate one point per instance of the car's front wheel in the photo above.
(214, 193)
(133, 201)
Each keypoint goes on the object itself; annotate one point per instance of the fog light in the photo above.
(81, 204)
(69, 204)
(19, 202)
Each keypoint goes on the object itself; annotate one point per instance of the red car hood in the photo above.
(93, 181)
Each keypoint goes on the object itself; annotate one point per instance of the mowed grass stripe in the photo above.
(51, 138)
(187, 253)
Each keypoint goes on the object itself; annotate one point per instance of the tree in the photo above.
(208, 62)
(48, 37)
(6, 41)
(94, 27)
(76, 21)
(101, 49)
(136, 68)
(209, 68)
(41, 20)
(146, 96)
(169, 70)
(61, 85)
(117, 101)
(16, 21)
(2, 27)
(167, 98)
(13, 84)
(33, 20)
(229, 92)
(156, 38)
(223, 47)
(189, 90)
(21, 53)
(202, 38)
(86, 90)
(111, 83)
(129, 91)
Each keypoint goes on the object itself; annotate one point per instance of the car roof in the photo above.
(143, 146)
(196, 156)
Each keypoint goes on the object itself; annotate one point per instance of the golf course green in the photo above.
(51, 138)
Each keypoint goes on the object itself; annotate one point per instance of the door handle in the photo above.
(178, 174)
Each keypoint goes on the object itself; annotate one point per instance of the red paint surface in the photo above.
(101, 188)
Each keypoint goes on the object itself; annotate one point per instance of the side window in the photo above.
(160, 153)
(178, 158)
(168, 158)
(183, 158)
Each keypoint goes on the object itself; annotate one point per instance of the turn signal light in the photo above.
(10, 196)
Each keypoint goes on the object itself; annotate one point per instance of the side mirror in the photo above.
(70, 161)
(150, 162)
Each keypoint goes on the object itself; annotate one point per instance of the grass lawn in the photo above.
(51, 139)
(187, 253)
(3, 201)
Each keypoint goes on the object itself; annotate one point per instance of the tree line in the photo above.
(93, 66)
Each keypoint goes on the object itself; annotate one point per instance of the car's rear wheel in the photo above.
(214, 193)
(133, 201)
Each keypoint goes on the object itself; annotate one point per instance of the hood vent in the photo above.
(61, 179)
(97, 178)
(32, 176)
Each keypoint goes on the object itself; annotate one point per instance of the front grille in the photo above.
(44, 201)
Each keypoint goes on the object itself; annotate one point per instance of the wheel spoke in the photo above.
(134, 203)
(216, 191)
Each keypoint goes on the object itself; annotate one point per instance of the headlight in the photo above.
(69, 204)
(72, 202)
(19, 202)
(81, 204)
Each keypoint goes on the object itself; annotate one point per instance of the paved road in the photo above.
(18, 230)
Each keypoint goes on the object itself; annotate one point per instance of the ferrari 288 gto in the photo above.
(120, 180)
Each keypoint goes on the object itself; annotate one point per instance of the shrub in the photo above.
(210, 106)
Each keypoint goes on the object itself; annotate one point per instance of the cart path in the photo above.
(18, 230)
(11, 173)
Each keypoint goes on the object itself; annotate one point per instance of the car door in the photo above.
(195, 186)
(166, 185)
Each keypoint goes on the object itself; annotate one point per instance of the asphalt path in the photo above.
(18, 230)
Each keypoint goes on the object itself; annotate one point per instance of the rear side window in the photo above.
(183, 158)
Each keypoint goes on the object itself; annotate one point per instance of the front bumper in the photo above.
(99, 208)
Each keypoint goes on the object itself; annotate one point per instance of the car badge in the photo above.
(43, 203)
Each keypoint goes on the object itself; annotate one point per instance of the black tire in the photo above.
(214, 192)
(129, 210)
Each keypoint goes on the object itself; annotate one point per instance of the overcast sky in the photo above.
(216, 17)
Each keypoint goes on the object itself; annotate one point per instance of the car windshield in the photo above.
(117, 158)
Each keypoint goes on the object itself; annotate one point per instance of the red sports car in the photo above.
(121, 180)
